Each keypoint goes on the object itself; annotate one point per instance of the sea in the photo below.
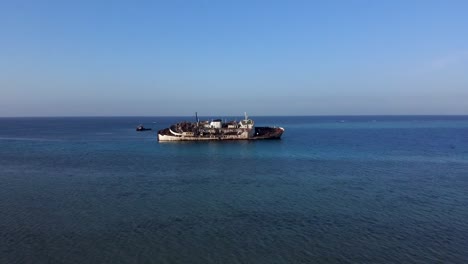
(334, 189)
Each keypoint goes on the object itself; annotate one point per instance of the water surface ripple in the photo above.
(333, 190)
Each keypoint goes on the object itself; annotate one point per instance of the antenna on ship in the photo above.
(245, 114)
(196, 117)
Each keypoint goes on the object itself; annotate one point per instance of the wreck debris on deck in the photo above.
(218, 130)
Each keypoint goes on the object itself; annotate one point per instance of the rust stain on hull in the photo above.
(216, 130)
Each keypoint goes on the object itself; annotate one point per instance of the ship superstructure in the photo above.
(218, 130)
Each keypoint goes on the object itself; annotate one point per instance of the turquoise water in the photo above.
(333, 190)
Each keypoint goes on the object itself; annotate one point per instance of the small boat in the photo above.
(142, 128)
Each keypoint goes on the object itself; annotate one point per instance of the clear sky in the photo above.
(99, 58)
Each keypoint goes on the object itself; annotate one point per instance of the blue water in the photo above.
(378, 189)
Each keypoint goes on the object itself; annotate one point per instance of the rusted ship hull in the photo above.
(256, 133)
(218, 130)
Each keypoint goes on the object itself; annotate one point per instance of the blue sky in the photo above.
(99, 58)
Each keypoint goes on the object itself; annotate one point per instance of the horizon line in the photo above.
(326, 115)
